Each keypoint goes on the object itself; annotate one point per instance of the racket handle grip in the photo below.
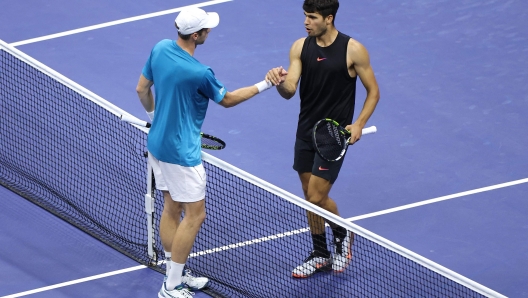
(134, 120)
(369, 130)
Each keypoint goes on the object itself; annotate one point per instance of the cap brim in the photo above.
(213, 19)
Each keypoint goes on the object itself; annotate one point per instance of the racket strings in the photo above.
(329, 140)
(210, 143)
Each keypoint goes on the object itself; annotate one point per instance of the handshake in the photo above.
(274, 77)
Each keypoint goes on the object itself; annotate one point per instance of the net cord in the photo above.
(263, 184)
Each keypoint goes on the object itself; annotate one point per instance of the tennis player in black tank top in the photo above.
(327, 90)
(326, 63)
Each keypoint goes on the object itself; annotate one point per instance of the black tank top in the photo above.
(326, 89)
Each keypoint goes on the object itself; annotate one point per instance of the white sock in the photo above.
(174, 277)
(167, 262)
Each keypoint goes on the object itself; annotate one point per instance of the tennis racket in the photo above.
(331, 140)
(208, 141)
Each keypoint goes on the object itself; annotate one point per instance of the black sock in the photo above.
(339, 234)
(320, 248)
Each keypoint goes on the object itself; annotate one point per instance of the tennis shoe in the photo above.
(179, 292)
(193, 282)
(343, 253)
(311, 265)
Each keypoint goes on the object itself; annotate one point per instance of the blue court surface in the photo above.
(451, 126)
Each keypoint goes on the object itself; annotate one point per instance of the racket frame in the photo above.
(133, 120)
(212, 138)
(345, 133)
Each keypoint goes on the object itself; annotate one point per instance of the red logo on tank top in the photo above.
(320, 59)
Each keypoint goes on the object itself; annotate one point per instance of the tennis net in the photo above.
(65, 149)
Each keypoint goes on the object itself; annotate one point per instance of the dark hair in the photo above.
(187, 36)
(323, 7)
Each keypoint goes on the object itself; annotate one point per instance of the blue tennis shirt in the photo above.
(183, 87)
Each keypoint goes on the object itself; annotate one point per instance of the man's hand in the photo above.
(276, 75)
(355, 131)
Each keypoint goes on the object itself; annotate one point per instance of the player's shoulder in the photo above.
(206, 70)
(166, 41)
(298, 45)
(299, 41)
(163, 43)
(162, 46)
(355, 46)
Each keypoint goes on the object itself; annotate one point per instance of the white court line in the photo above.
(281, 235)
(113, 23)
(69, 283)
(439, 199)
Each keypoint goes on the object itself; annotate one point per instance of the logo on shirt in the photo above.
(221, 90)
(320, 59)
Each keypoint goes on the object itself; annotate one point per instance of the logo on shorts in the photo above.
(322, 169)
(320, 59)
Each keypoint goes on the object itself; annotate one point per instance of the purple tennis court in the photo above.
(444, 177)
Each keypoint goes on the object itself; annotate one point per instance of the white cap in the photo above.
(192, 19)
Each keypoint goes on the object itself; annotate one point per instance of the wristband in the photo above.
(151, 115)
(263, 86)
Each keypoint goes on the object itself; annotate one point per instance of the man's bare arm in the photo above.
(145, 94)
(361, 63)
(233, 98)
(287, 81)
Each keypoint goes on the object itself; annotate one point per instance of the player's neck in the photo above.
(328, 37)
(187, 45)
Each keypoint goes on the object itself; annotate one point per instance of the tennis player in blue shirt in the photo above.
(183, 88)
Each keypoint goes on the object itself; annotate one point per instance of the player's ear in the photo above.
(329, 19)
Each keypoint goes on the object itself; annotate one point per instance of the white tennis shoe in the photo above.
(343, 253)
(311, 265)
(179, 292)
(193, 282)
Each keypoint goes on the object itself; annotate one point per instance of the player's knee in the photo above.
(305, 191)
(198, 218)
(316, 199)
(173, 211)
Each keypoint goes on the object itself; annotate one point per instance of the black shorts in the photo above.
(306, 159)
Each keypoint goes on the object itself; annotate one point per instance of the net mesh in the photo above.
(76, 159)
(72, 157)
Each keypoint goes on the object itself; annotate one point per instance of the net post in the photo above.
(149, 209)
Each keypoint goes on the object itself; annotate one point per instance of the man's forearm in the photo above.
(233, 98)
(368, 108)
(147, 100)
(286, 90)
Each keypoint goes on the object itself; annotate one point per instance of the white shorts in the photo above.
(185, 184)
